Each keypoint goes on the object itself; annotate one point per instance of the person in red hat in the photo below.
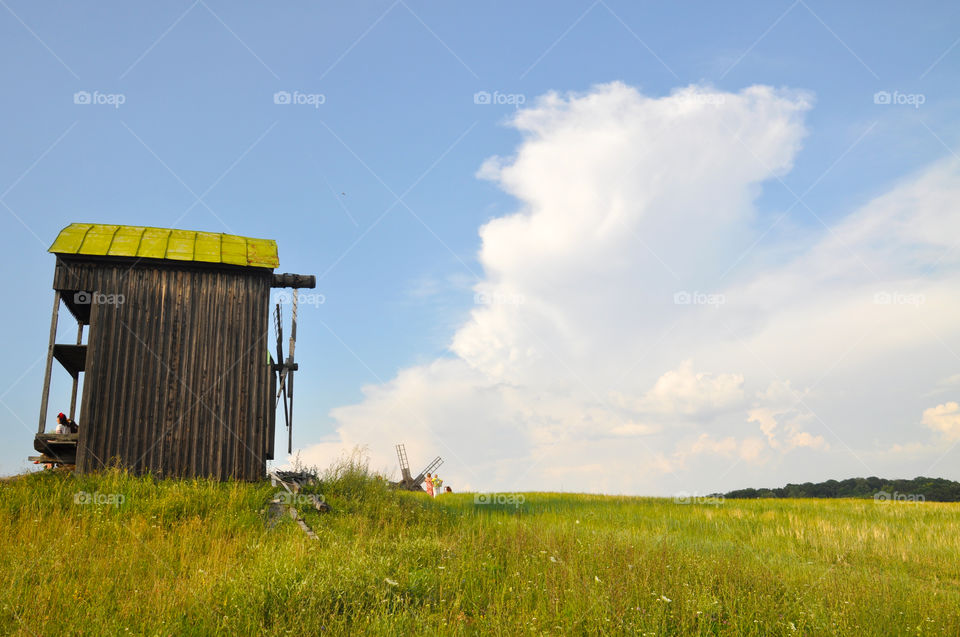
(66, 425)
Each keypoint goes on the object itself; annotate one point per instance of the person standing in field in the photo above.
(437, 483)
(429, 482)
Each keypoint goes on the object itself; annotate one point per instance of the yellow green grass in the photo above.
(197, 558)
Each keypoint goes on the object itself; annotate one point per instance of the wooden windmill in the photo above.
(407, 480)
(171, 352)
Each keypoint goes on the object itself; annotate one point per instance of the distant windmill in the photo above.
(407, 480)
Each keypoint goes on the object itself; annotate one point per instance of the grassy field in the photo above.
(116, 555)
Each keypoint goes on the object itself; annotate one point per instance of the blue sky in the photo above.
(376, 190)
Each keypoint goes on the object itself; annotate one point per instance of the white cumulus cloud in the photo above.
(945, 419)
(579, 369)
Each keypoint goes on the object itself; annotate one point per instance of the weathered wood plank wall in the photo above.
(177, 380)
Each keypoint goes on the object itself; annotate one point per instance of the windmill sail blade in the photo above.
(289, 413)
(291, 367)
(430, 468)
(406, 478)
(286, 413)
(293, 325)
(278, 326)
(282, 385)
(281, 368)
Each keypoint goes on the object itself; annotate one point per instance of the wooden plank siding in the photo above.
(177, 381)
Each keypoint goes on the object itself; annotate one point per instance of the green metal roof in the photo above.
(163, 243)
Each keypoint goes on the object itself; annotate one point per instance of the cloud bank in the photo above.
(640, 329)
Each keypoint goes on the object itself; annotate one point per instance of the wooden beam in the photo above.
(301, 522)
(76, 377)
(46, 375)
(287, 280)
(61, 438)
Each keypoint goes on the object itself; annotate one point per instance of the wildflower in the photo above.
(665, 598)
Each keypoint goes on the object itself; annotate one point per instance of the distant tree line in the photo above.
(928, 489)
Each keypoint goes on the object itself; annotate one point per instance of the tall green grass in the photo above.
(164, 557)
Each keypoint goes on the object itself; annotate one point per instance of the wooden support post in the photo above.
(46, 375)
(76, 377)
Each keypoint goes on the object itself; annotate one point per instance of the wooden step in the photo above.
(61, 448)
(48, 460)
